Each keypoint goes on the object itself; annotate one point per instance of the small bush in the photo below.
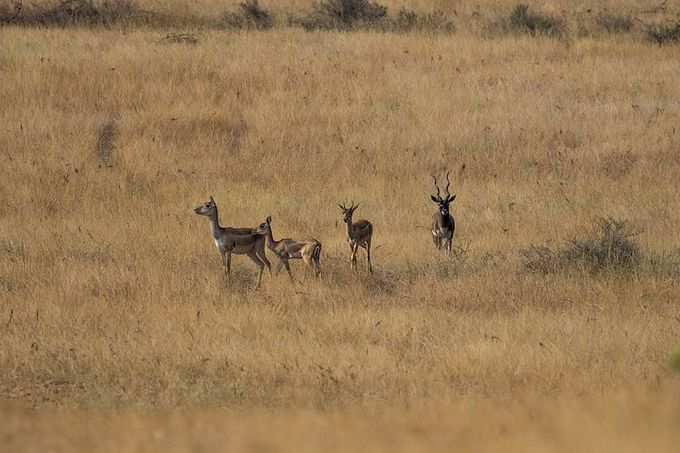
(436, 21)
(664, 33)
(612, 23)
(524, 21)
(344, 15)
(250, 16)
(107, 133)
(610, 248)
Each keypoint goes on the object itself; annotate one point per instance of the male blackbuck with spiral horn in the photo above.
(359, 234)
(443, 225)
(237, 241)
(308, 251)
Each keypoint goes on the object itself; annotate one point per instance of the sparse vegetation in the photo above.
(116, 327)
(251, 15)
(664, 33)
(523, 20)
(72, 12)
(434, 22)
(344, 15)
(609, 247)
(614, 23)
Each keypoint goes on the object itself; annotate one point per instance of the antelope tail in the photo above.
(316, 253)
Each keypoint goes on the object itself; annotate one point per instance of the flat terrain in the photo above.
(117, 332)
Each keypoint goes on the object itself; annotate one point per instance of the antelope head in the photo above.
(266, 226)
(347, 212)
(208, 208)
(443, 203)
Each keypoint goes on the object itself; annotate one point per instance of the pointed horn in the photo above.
(436, 186)
(448, 183)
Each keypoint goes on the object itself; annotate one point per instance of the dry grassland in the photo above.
(118, 334)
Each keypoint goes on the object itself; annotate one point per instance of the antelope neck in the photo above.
(271, 243)
(349, 227)
(215, 227)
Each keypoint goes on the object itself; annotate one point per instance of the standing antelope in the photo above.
(443, 225)
(308, 251)
(239, 241)
(359, 234)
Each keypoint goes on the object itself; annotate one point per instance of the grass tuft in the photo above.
(609, 247)
(664, 33)
(523, 20)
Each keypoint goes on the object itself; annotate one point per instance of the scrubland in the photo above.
(117, 332)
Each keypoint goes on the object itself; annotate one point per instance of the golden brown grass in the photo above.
(623, 423)
(113, 305)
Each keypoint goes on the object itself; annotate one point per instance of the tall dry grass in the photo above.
(112, 292)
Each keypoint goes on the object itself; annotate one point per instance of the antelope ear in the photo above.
(269, 219)
(435, 199)
(211, 199)
(450, 198)
(341, 206)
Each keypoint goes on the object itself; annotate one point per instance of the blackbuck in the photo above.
(237, 241)
(359, 234)
(443, 225)
(309, 251)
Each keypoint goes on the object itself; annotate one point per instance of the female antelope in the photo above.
(308, 251)
(239, 241)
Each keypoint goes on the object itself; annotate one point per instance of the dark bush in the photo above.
(107, 133)
(344, 15)
(436, 22)
(95, 13)
(664, 33)
(74, 12)
(250, 16)
(524, 21)
(612, 23)
(610, 247)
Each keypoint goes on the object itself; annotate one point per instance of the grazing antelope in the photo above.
(359, 234)
(308, 251)
(443, 225)
(239, 241)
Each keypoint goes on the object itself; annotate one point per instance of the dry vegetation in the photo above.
(116, 330)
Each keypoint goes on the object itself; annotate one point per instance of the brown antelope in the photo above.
(237, 241)
(443, 225)
(359, 234)
(308, 251)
